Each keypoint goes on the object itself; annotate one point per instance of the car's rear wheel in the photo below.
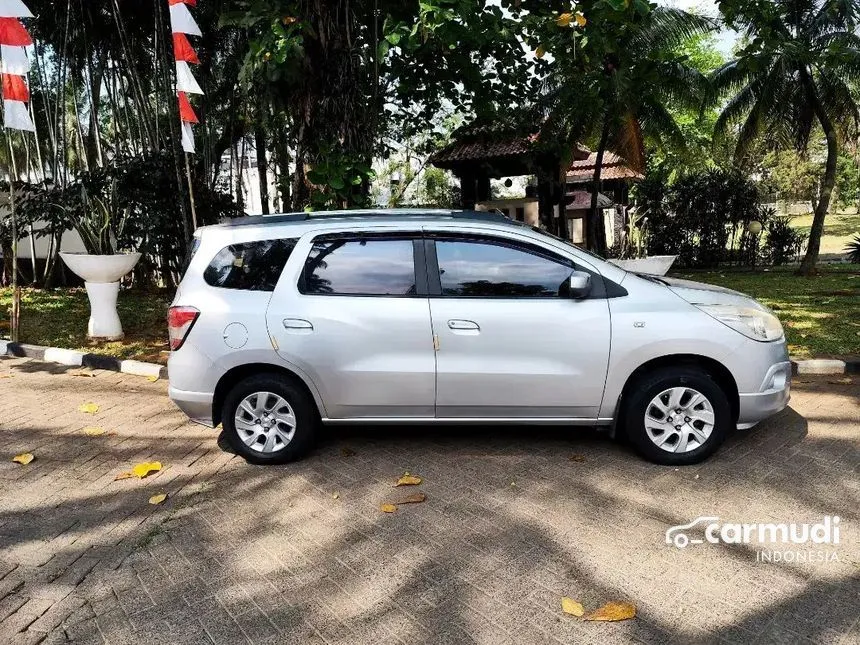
(677, 416)
(269, 419)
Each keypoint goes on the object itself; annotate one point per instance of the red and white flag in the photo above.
(14, 65)
(182, 25)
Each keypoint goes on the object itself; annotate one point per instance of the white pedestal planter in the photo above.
(653, 265)
(101, 275)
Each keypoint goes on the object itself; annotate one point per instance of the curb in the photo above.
(825, 366)
(81, 359)
(139, 368)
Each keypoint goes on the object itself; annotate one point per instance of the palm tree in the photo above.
(615, 88)
(797, 71)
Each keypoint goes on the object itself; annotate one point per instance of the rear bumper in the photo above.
(197, 405)
(773, 396)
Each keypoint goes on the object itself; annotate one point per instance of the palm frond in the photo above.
(669, 27)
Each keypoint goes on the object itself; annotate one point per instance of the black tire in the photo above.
(654, 383)
(303, 407)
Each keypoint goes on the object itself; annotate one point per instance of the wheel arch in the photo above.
(233, 376)
(719, 372)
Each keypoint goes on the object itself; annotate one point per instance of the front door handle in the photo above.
(463, 325)
(298, 324)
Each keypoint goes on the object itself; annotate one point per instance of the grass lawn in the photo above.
(59, 319)
(839, 230)
(821, 315)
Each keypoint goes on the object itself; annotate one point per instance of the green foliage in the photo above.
(784, 243)
(339, 182)
(853, 249)
(703, 217)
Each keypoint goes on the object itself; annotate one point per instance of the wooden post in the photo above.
(191, 193)
(14, 325)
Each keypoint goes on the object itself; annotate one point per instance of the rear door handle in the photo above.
(463, 325)
(298, 324)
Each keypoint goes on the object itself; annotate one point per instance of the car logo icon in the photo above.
(676, 535)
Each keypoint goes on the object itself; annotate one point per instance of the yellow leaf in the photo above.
(7, 376)
(580, 19)
(94, 432)
(540, 51)
(388, 508)
(415, 498)
(577, 458)
(157, 499)
(408, 480)
(23, 459)
(152, 379)
(564, 19)
(88, 408)
(612, 611)
(570, 606)
(86, 374)
(143, 469)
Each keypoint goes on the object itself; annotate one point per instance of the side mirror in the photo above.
(579, 284)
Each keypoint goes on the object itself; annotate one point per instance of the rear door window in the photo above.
(360, 267)
(250, 266)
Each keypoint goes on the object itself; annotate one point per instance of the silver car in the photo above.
(282, 322)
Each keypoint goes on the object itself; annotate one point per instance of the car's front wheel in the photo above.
(677, 416)
(269, 419)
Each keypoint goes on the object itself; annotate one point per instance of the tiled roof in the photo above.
(476, 142)
(613, 168)
(582, 200)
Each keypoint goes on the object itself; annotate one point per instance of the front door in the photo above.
(356, 319)
(511, 342)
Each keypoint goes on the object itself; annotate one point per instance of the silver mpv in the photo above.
(282, 322)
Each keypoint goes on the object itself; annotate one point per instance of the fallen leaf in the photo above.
(94, 432)
(577, 458)
(388, 508)
(613, 611)
(335, 495)
(86, 374)
(152, 379)
(157, 499)
(88, 408)
(346, 451)
(570, 606)
(408, 480)
(7, 376)
(140, 470)
(415, 498)
(24, 458)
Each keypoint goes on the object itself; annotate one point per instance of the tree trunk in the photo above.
(808, 265)
(596, 238)
(262, 165)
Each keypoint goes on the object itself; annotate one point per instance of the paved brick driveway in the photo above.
(301, 554)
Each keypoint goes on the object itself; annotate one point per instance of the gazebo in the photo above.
(479, 153)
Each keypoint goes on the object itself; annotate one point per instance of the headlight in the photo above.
(751, 322)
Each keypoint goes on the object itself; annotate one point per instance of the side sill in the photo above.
(470, 420)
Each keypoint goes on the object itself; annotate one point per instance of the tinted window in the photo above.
(373, 267)
(496, 270)
(253, 266)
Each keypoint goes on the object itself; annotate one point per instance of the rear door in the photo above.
(354, 315)
(511, 342)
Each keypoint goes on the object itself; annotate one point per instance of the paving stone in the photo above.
(246, 554)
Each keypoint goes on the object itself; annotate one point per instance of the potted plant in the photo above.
(634, 253)
(99, 226)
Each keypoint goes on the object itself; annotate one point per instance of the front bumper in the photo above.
(773, 396)
(197, 405)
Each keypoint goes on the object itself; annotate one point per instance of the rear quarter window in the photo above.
(249, 266)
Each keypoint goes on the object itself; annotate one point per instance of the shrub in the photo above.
(784, 243)
(853, 249)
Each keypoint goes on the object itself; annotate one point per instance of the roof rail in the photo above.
(283, 218)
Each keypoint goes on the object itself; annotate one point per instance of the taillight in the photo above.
(180, 320)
